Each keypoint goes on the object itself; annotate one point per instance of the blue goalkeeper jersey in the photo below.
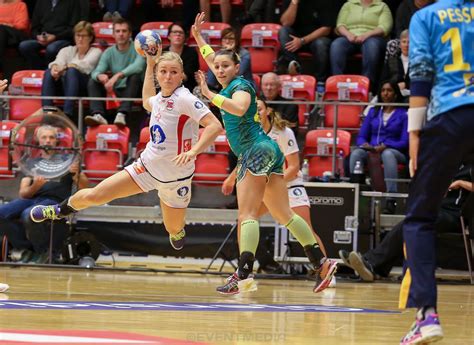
(441, 56)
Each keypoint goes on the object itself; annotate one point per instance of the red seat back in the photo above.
(5, 130)
(103, 35)
(299, 87)
(319, 148)
(261, 40)
(161, 27)
(354, 88)
(211, 32)
(26, 82)
(212, 166)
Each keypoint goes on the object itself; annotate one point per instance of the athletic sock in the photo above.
(249, 236)
(301, 230)
(65, 208)
(245, 265)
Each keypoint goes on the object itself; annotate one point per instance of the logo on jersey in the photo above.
(183, 191)
(198, 105)
(170, 104)
(186, 145)
(297, 192)
(139, 168)
(291, 142)
(157, 134)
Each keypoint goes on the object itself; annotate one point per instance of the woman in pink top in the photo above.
(14, 25)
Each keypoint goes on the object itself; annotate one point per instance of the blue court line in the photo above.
(166, 306)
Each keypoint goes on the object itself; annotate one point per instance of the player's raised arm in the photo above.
(205, 49)
(149, 89)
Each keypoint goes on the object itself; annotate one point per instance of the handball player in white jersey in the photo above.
(167, 163)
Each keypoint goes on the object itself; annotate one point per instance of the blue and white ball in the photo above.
(148, 42)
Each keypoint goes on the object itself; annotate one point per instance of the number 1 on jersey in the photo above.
(458, 64)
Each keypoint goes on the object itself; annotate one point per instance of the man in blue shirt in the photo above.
(441, 71)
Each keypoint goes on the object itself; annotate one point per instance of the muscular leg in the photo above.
(119, 185)
(173, 218)
(303, 212)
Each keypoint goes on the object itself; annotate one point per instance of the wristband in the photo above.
(218, 100)
(206, 50)
(416, 118)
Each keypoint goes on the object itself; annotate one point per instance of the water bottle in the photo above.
(358, 174)
(305, 170)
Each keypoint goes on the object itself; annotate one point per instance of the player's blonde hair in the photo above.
(170, 56)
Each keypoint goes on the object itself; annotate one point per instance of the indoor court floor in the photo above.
(77, 306)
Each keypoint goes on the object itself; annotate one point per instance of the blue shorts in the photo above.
(262, 159)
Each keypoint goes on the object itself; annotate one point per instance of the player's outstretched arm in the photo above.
(206, 51)
(149, 90)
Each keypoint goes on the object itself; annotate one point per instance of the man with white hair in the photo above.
(271, 91)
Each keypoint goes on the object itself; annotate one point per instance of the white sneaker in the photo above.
(332, 284)
(4, 287)
(95, 120)
(120, 120)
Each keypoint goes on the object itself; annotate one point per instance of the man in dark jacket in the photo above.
(51, 29)
(405, 11)
(271, 89)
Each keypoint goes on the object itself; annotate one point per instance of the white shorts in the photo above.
(298, 196)
(176, 194)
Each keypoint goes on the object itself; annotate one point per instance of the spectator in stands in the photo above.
(405, 11)
(189, 10)
(231, 41)
(177, 37)
(396, 65)
(380, 260)
(115, 9)
(51, 29)
(226, 9)
(259, 11)
(271, 91)
(34, 190)
(14, 25)
(384, 131)
(362, 26)
(307, 25)
(126, 68)
(69, 73)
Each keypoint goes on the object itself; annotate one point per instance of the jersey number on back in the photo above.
(453, 35)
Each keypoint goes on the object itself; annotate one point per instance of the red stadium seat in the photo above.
(261, 40)
(103, 35)
(212, 166)
(258, 81)
(299, 87)
(27, 82)
(211, 32)
(318, 150)
(353, 88)
(161, 27)
(5, 130)
(104, 150)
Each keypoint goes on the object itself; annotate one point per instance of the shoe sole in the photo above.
(345, 261)
(5, 288)
(327, 280)
(358, 265)
(175, 248)
(246, 285)
(33, 218)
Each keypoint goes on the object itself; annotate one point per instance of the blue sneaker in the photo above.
(424, 331)
(177, 241)
(41, 213)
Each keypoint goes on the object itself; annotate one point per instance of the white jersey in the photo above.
(287, 142)
(174, 128)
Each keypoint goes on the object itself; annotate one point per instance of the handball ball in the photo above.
(148, 42)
